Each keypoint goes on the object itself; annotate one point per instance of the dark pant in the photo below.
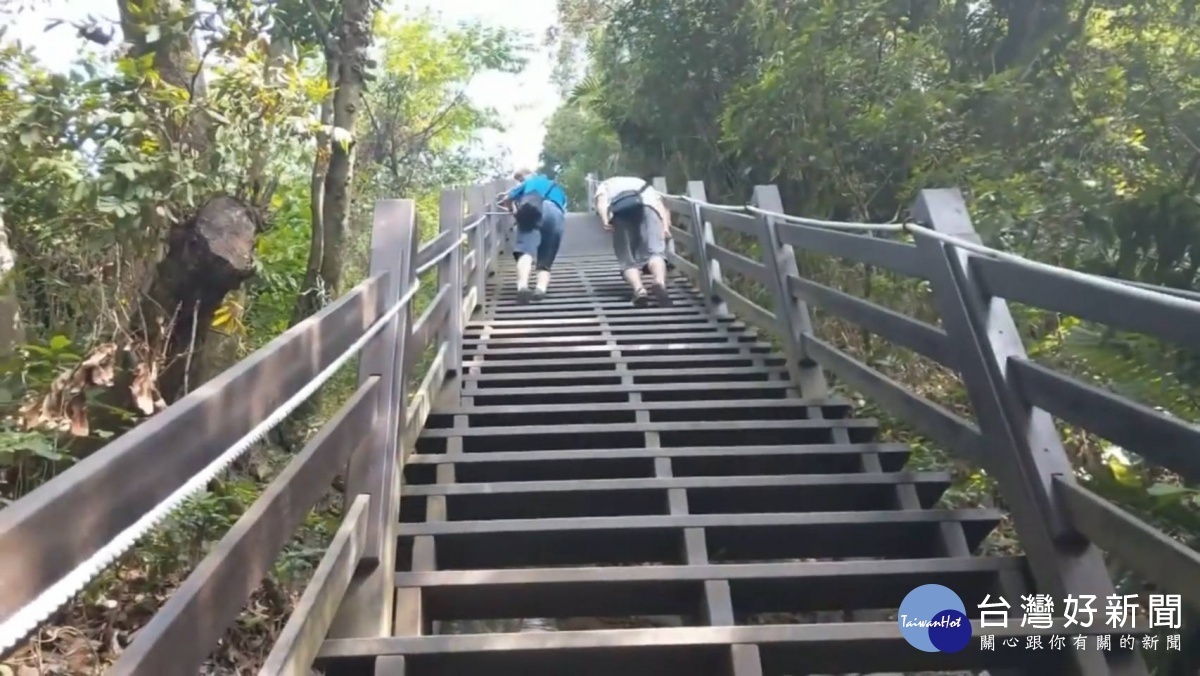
(542, 240)
(635, 244)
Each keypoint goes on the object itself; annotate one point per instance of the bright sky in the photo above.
(525, 101)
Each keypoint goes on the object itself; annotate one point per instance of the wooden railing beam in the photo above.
(710, 269)
(180, 636)
(450, 271)
(305, 631)
(375, 469)
(1026, 452)
(660, 184)
(50, 531)
(476, 205)
(791, 313)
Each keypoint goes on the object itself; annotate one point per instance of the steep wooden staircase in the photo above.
(657, 468)
(653, 482)
(578, 487)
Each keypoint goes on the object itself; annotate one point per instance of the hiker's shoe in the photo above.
(538, 294)
(662, 295)
(641, 298)
(523, 295)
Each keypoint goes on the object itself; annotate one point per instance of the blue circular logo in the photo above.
(933, 619)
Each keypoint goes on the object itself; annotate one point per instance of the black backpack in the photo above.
(628, 205)
(529, 208)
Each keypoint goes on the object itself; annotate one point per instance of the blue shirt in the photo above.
(543, 186)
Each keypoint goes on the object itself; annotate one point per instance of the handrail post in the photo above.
(501, 225)
(795, 320)
(450, 271)
(374, 469)
(710, 269)
(591, 182)
(476, 206)
(495, 236)
(1023, 442)
(660, 184)
(500, 242)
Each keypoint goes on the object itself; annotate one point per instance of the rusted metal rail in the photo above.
(579, 458)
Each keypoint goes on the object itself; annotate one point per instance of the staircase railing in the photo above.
(54, 540)
(1062, 525)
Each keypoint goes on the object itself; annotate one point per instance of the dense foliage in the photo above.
(289, 118)
(1070, 125)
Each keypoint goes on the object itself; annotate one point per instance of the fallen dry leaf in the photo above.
(99, 366)
(64, 406)
(145, 388)
(77, 412)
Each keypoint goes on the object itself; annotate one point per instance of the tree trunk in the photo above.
(333, 170)
(163, 27)
(312, 295)
(208, 256)
(11, 334)
(202, 259)
(354, 39)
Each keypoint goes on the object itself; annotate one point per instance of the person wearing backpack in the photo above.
(539, 206)
(634, 212)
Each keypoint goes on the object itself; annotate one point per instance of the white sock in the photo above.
(524, 265)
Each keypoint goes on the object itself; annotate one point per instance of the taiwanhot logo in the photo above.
(933, 619)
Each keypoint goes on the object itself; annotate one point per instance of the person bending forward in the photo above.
(540, 207)
(639, 221)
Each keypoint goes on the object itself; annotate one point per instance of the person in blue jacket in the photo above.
(540, 207)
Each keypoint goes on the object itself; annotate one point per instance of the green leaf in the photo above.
(59, 343)
(38, 349)
(1164, 490)
(80, 191)
(32, 442)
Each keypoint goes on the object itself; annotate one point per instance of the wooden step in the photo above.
(784, 650)
(632, 435)
(614, 463)
(649, 496)
(788, 587)
(534, 311)
(636, 362)
(625, 540)
(626, 411)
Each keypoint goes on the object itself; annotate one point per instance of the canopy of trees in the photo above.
(177, 200)
(1072, 126)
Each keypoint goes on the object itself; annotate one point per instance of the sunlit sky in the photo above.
(525, 101)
